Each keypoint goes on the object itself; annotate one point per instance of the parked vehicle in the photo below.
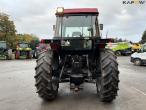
(5, 51)
(139, 58)
(23, 50)
(120, 48)
(136, 47)
(77, 54)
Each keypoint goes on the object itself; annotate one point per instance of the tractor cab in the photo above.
(82, 23)
(77, 28)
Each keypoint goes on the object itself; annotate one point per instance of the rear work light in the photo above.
(60, 10)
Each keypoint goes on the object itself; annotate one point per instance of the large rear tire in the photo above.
(47, 85)
(107, 83)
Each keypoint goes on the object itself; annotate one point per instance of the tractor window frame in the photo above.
(60, 21)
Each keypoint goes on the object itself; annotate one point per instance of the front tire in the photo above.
(47, 85)
(137, 62)
(118, 53)
(107, 83)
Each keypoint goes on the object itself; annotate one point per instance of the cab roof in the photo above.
(81, 11)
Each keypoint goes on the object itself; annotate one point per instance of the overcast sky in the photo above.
(37, 16)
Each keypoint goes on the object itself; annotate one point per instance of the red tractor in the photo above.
(77, 54)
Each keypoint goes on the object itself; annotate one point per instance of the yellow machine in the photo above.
(136, 47)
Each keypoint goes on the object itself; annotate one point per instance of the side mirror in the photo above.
(101, 26)
(54, 27)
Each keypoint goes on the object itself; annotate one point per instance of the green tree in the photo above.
(143, 39)
(7, 29)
